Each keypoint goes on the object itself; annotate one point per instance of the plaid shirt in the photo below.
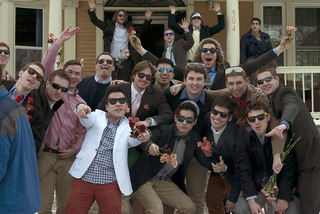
(101, 169)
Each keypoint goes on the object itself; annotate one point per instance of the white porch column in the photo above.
(233, 32)
(55, 18)
(8, 31)
(70, 9)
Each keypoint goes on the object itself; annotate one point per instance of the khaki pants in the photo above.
(196, 179)
(153, 193)
(58, 178)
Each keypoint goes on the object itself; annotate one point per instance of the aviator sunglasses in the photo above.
(121, 100)
(121, 15)
(31, 71)
(108, 61)
(166, 34)
(259, 117)
(57, 86)
(162, 69)
(182, 118)
(222, 114)
(267, 79)
(6, 52)
(142, 75)
(212, 50)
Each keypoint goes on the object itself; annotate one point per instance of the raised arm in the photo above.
(221, 25)
(50, 56)
(172, 21)
(93, 17)
(188, 43)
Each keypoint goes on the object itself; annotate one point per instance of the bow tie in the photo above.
(197, 28)
(185, 137)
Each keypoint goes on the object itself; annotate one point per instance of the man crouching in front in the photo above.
(100, 170)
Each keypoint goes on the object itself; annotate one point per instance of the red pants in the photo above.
(83, 194)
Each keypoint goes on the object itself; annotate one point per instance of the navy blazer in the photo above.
(251, 48)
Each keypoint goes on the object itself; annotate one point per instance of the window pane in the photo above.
(24, 56)
(29, 27)
(307, 36)
(272, 24)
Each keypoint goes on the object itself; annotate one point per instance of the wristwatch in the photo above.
(149, 120)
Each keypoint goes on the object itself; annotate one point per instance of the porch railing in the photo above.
(306, 81)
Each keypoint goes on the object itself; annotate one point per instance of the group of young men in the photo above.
(78, 142)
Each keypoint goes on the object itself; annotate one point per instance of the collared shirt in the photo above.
(119, 40)
(134, 93)
(168, 170)
(212, 73)
(134, 96)
(171, 53)
(7, 76)
(217, 134)
(257, 37)
(185, 95)
(101, 169)
(196, 39)
(102, 82)
(261, 139)
(13, 90)
(64, 124)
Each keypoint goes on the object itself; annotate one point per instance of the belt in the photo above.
(51, 151)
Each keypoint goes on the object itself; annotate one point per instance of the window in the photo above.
(28, 36)
(273, 24)
(307, 22)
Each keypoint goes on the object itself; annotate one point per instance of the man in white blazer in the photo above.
(100, 170)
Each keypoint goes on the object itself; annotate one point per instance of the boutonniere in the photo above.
(146, 107)
(29, 107)
(242, 105)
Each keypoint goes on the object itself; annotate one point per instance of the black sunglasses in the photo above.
(182, 118)
(194, 18)
(142, 75)
(166, 34)
(205, 50)
(259, 117)
(267, 79)
(31, 71)
(162, 69)
(121, 100)
(6, 52)
(222, 114)
(108, 61)
(121, 15)
(56, 86)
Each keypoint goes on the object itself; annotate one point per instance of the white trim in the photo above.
(283, 11)
(300, 5)
(26, 47)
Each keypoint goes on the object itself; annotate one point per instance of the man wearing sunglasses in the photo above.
(99, 83)
(4, 60)
(254, 166)
(195, 79)
(100, 170)
(221, 132)
(296, 119)
(197, 30)
(177, 51)
(115, 35)
(63, 127)
(155, 183)
(164, 73)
